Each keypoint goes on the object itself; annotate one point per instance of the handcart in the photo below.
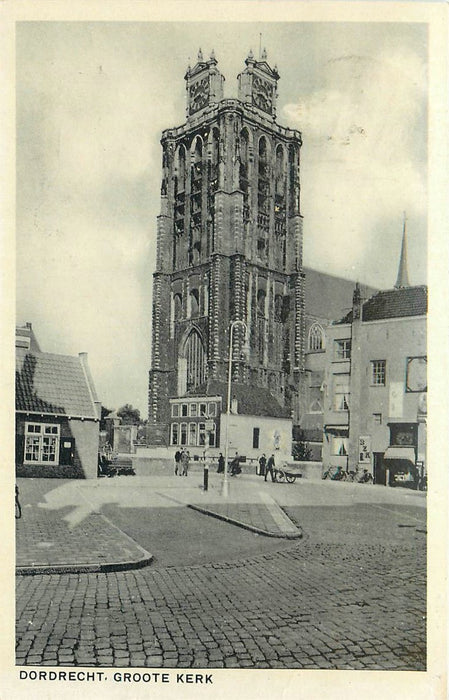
(287, 473)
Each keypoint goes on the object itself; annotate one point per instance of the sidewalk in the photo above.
(63, 529)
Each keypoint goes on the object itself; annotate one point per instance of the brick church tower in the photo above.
(229, 245)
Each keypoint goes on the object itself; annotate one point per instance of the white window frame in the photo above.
(174, 429)
(378, 372)
(192, 437)
(342, 442)
(44, 438)
(342, 349)
(341, 394)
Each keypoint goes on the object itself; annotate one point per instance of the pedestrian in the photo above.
(178, 456)
(270, 468)
(221, 464)
(262, 465)
(185, 463)
(234, 467)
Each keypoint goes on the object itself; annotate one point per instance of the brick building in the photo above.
(229, 247)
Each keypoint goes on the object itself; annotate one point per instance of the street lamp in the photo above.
(228, 407)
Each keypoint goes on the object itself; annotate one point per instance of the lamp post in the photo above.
(228, 403)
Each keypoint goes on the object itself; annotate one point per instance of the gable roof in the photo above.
(329, 297)
(58, 384)
(257, 402)
(400, 302)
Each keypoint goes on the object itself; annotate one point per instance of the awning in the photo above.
(337, 429)
(403, 453)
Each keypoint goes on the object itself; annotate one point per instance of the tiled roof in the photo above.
(396, 303)
(251, 400)
(47, 383)
(393, 303)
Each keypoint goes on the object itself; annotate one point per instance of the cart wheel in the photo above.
(291, 478)
(280, 476)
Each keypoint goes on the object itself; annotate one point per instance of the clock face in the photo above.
(417, 374)
(262, 94)
(198, 95)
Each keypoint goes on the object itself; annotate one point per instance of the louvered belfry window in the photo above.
(196, 360)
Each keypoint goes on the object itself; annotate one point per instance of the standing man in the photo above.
(270, 468)
(177, 461)
(262, 465)
(185, 463)
(221, 464)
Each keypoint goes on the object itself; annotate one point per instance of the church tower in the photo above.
(229, 244)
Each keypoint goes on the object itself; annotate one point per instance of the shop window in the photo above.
(378, 368)
(342, 349)
(202, 434)
(174, 433)
(41, 443)
(183, 440)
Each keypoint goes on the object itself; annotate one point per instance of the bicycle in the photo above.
(365, 478)
(17, 504)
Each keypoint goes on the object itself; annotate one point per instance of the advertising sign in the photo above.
(365, 449)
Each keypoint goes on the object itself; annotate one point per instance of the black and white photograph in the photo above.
(225, 254)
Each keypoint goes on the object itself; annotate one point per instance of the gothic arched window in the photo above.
(316, 337)
(196, 360)
(177, 304)
(261, 295)
(263, 177)
(194, 302)
(181, 168)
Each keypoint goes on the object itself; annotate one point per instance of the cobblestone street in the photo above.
(328, 601)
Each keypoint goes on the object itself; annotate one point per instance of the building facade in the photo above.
(376, 385)
(229, 247)
(57, 412)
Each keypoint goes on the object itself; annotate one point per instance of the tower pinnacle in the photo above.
(402, 280)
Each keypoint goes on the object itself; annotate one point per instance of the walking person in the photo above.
(221, 463)
(270, 468)
(185, 463)
(234, 467)
(178, 456)
(262, 465)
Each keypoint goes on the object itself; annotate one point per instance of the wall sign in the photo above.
(365, 449)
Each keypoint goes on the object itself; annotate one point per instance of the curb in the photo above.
(286, 536)
(98, 568)
(83, 568)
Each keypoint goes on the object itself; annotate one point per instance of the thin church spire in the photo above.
(402, 280)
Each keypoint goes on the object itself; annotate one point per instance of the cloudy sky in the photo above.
(92, 100)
